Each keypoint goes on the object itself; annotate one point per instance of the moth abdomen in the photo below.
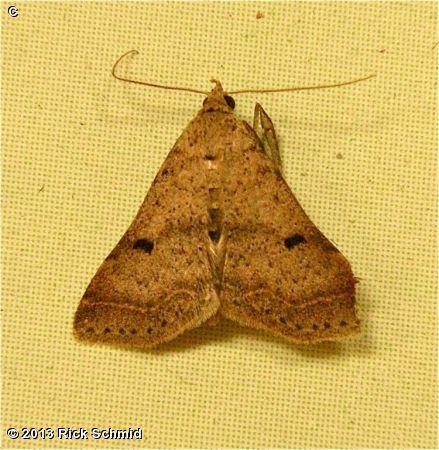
(215, 224)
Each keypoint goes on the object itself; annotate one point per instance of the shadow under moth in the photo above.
(220, 234)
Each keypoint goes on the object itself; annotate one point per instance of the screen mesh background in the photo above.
(80, 150)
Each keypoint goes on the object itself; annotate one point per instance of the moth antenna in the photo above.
(306, 88)
(144, 83)
(243, 91)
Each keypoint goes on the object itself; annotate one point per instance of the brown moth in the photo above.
(220, 234)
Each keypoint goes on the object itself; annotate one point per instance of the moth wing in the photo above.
(281, 274)
(157, 282)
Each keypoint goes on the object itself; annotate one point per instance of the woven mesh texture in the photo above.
(80, 149)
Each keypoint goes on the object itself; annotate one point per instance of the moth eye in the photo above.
(343, 323)
(315, 327)
(230, 101)
(144, 245)
(294, 240)
(283, 320)
(107, 330)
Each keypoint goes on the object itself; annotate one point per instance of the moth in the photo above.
(220, 234)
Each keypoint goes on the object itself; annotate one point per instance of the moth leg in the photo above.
(262, 119)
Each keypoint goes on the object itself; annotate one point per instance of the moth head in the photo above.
(230, 101)
(218, 99)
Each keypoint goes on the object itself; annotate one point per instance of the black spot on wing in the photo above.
(145, 245)
(293, 241)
